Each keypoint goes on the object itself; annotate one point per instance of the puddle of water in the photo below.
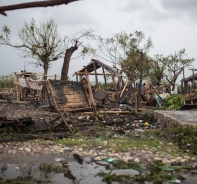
(78, 174)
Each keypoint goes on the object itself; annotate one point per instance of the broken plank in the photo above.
(35, 136)
(115, 112)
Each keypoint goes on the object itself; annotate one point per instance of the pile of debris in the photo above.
(30, 118)
(60, 106)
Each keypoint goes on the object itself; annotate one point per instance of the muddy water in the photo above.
(79, 173)
(85, 174)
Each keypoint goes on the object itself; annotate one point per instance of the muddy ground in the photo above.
(36, 152)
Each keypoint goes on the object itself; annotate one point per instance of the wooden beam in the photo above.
(96, 77)
(90, 92)
(52, 95)
(84, 73)
(35, 74)
(124, 88)
(18, 89)
(105, 79)
(33, 5)
(65, 122)
(114, 112)
(114, 83)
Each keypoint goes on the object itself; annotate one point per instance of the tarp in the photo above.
(33, 84)
(160, 99)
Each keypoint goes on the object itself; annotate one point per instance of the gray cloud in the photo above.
(164, 20)
(144, 11)
(181, 8)
(161, 11)
(180, 4)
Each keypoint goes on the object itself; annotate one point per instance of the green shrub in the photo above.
(175, 101)
(7, 81)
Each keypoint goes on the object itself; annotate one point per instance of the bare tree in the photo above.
(33, 5)
(76, 43)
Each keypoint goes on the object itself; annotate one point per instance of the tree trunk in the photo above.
(46, 66)
(65, 67)
(140, 83)
(33, 5)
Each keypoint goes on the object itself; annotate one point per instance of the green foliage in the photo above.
(158, 174)
(40, 44)
(49, 168)
(174, 63)
(106, 86)
(120, 164)
(155, 175)
(185, 135)
(195, 92)
(156, 69)
(177, 60)
(122, 50)
(175, 101)
(7, 81)
(133, 45)
(23, 180)
(110, 177)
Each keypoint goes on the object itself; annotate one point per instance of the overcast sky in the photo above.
(171, 24)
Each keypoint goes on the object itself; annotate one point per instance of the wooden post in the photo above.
(96, 77)
(65, 122)
(90, 91)
(141, 76)
(17, 88)
(124, 88)
(136, 102)
(105, 79)
(186, 87)
(48, 96)
(114, 82)
(182, 89)
(193, 80)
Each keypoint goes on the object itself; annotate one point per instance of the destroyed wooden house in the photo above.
(29, 85)
(91, 69)
(120, 90)
(189, 83)
(79, 95)
(188, 86)
(65, 98)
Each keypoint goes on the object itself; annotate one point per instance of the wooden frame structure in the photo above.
(26, 79)
(91, 69)
(185, 83)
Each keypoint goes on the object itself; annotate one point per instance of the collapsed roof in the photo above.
(94, 65)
